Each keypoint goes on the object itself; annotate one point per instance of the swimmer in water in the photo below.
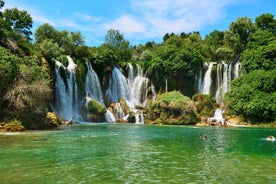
(270, 138)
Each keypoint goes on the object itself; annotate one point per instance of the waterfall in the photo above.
(199, 81)
(218, 115)
(109, 117)
(138, 88)
(133, 89)
(224, 75)
(92, 85)
(207, 79)
(66, 91)
(117, 87)
(237, 69)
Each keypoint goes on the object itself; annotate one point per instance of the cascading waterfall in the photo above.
(237, 69)
(93, 89)
(218, 115)
(199, 80)
(117, 87)
(92, 85)
(66, 92)
(225, 73)
(133, 89)
(207, 79)
(223, 80)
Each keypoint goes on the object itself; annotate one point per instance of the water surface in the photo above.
(116, 153)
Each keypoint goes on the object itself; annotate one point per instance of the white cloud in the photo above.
(126, 24)
(41, 20)
(86, 17)
(165, 16)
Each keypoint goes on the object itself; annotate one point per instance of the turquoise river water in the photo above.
(117, 153)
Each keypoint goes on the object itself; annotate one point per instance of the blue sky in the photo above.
(140, 21)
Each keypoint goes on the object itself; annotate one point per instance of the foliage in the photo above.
(16, 20)
(28, 97)
(8, 70)
(253, 96)
(262, 57)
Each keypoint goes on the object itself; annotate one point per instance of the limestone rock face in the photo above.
(172, 108)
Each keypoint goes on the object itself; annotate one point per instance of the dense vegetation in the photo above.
(26, 66)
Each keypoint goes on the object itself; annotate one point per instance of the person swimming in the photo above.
(270, 138)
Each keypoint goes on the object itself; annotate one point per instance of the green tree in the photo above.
(122, 48)
(18, 21)
(253, 96)
(214, 41)
(114, 38)
(45, 31)
(266, 22)
(241, 29)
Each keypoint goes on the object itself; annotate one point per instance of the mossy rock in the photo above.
(95, 107)
(13, 126)
(93, 110)
(172, 108)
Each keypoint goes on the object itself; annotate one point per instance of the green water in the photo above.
(139, 154)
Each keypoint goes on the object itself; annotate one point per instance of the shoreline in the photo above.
(200, 124)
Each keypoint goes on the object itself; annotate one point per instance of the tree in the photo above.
(253, 96)
(114, 38)
(262, 57)
(18, 21)
(214, 40)
(45, 31)
(266, 22)
(241, 29)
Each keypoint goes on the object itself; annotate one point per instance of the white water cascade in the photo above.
(66, 92)
(92, 85)
(225, 73)
(207, 79)
(133, 89)
(223, 80)
(93, 89)
(218, 115)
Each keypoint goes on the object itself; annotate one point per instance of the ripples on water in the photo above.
(139, 154)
